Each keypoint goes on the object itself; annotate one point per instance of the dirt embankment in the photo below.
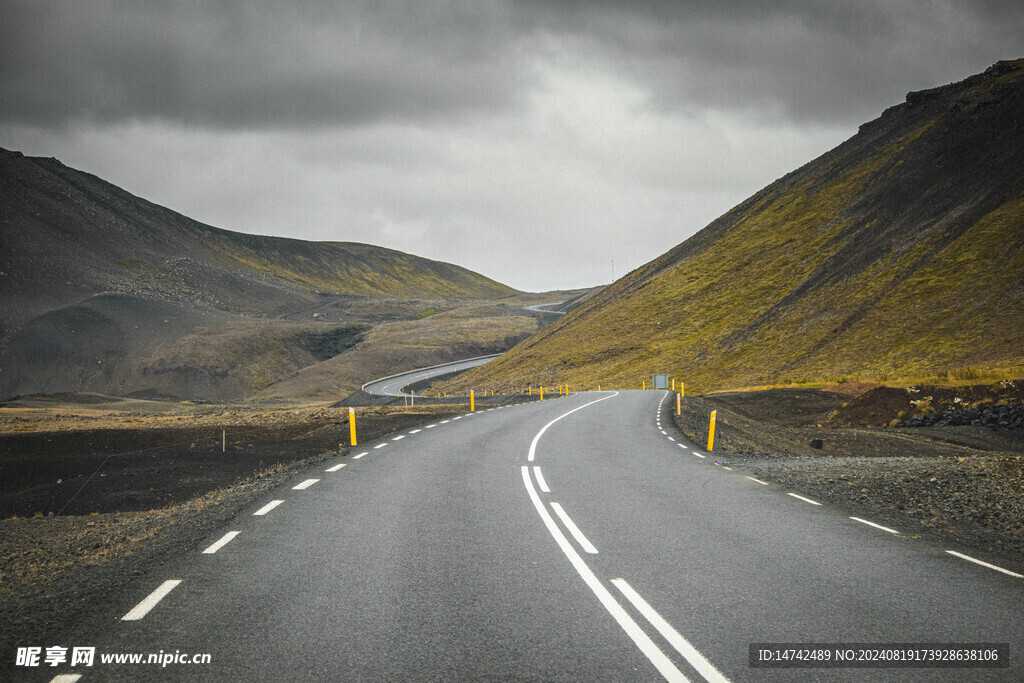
(962, 486)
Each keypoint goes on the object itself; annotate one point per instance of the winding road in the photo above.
(577, 539)
(394, 385)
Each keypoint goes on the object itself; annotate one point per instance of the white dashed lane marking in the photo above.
(356, 457)
(681, 644)
(985, 564)
(151, 601)
(65, 678)
(267, 508)
(305, 485)
(877, 526)
(806, 500)
(224, 540)
(335, 468)
(574, 530)
(763, 483)
(540, 480)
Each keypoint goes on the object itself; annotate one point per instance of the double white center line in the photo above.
(647, 646)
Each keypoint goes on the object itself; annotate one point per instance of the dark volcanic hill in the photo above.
(93, 279)
(899, 254)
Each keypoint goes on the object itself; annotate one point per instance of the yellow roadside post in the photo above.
(542, 393)
(352, 425)
(682, 389)
(679, 404)
(529, 390)
(412, 402)
(644, 385)
(472, 401)
(673, 384)
(711, 431)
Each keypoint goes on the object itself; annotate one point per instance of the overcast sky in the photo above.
(544, 144)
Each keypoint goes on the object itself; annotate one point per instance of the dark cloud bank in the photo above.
(295, 64)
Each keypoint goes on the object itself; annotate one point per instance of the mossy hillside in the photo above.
(681, 316)
(897, 256)
(356, 269)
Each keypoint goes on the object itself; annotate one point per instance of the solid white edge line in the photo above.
(681, 644)
(573, 529)
(335, 468)
(533, 444)
(267, 508)
(540, 479)
(142, 609)
(985, 564)
(224, 540)
(661, 662)
(806, 500)
(762, 483)
(304, 485)
(877, 526)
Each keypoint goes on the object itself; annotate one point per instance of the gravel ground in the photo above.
(962, 487)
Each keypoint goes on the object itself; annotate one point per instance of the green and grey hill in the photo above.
(897, 255)
(104, 291)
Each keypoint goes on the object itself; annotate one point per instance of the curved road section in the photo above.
(394, 385)
(543, 308)
(578, 539)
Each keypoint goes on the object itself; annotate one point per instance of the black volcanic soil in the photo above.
(134, 497)
(119, 470)
(962, 487)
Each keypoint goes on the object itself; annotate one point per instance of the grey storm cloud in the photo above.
(229, 64)
(296, 64)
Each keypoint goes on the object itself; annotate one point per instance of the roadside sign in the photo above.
(661, 381)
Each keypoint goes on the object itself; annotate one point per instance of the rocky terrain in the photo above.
(957, 485)
(988, 415)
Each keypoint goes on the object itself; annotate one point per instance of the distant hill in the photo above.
(99, 288)
(897, 255)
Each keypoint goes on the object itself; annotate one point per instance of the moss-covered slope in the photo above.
(66, 235)
(897, 255)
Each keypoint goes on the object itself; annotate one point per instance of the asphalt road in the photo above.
(394, 385)
(574, 539)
